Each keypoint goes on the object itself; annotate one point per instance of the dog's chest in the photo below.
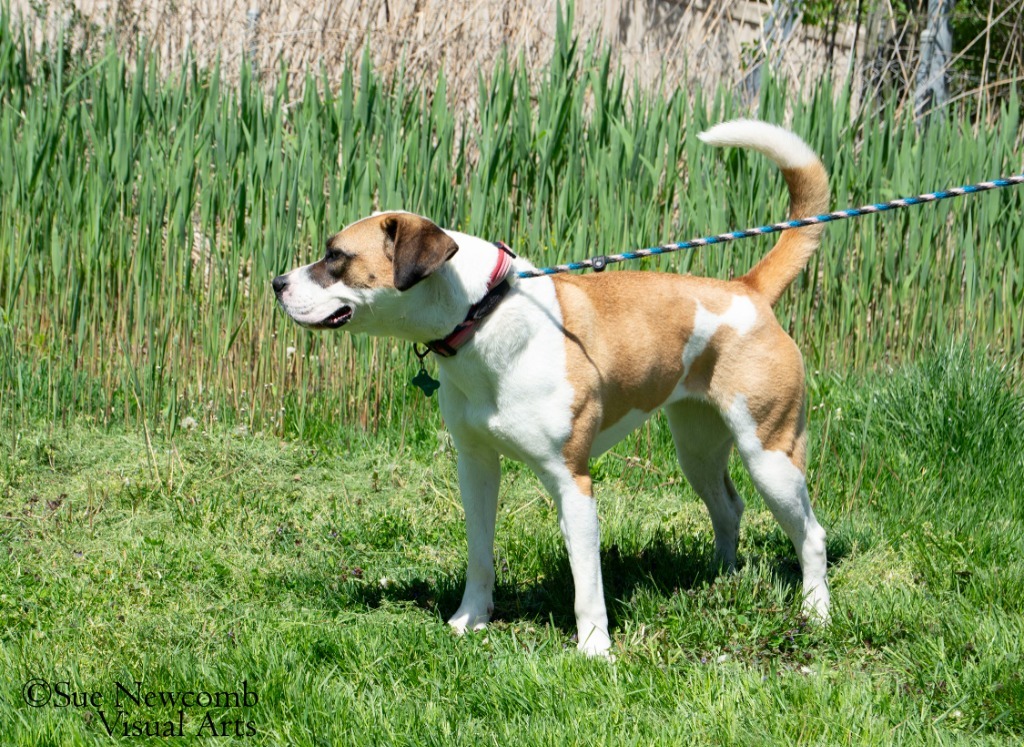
(509, 387)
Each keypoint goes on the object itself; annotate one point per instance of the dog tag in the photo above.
(425, 382)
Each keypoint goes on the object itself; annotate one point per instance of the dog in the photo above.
(556, 370)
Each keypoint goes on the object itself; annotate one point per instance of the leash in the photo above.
(427, 384)
(599, 263)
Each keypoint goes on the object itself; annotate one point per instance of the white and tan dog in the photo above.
(566, 366)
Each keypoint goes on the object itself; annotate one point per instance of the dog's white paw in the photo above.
(467, 620)
(816, 605)
(595, 643)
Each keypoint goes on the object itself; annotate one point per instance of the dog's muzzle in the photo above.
(339, 318)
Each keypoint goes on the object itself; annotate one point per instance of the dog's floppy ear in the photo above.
(417, 248)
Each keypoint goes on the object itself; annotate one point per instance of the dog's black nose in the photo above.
(279, 283)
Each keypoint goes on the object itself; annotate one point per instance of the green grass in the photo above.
(142, 219)
(322, 578)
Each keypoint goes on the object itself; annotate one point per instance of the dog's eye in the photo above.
(335, 255)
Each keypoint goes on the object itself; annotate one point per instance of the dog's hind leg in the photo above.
(479, 477)
(779, 477)
(703, 444)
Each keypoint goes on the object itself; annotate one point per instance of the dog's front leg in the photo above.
(577, 518)
(479, 476)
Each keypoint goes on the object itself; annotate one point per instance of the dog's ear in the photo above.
(416, 247)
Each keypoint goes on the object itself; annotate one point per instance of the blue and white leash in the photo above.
(600, 262)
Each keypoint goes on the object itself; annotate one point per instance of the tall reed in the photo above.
(142, 218)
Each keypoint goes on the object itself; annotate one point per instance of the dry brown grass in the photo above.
(685, 44)
(668, 42)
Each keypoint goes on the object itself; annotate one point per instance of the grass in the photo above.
(321, 579)
(142, 219)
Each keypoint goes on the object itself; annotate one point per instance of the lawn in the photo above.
(293, 593)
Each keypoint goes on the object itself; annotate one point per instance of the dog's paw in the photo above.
(816, 605)
(596, 644)
(463, 621)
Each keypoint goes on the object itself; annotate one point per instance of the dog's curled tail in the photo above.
(808, 196)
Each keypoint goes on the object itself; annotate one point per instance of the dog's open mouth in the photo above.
(338, 318)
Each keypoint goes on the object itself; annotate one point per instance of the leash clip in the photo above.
(599, 263)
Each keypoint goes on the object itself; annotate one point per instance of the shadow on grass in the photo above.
(662, 566)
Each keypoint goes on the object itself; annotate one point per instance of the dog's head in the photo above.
(366, 273)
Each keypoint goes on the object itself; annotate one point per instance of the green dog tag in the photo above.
(425, 382)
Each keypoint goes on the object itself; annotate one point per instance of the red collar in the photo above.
(497, 287)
